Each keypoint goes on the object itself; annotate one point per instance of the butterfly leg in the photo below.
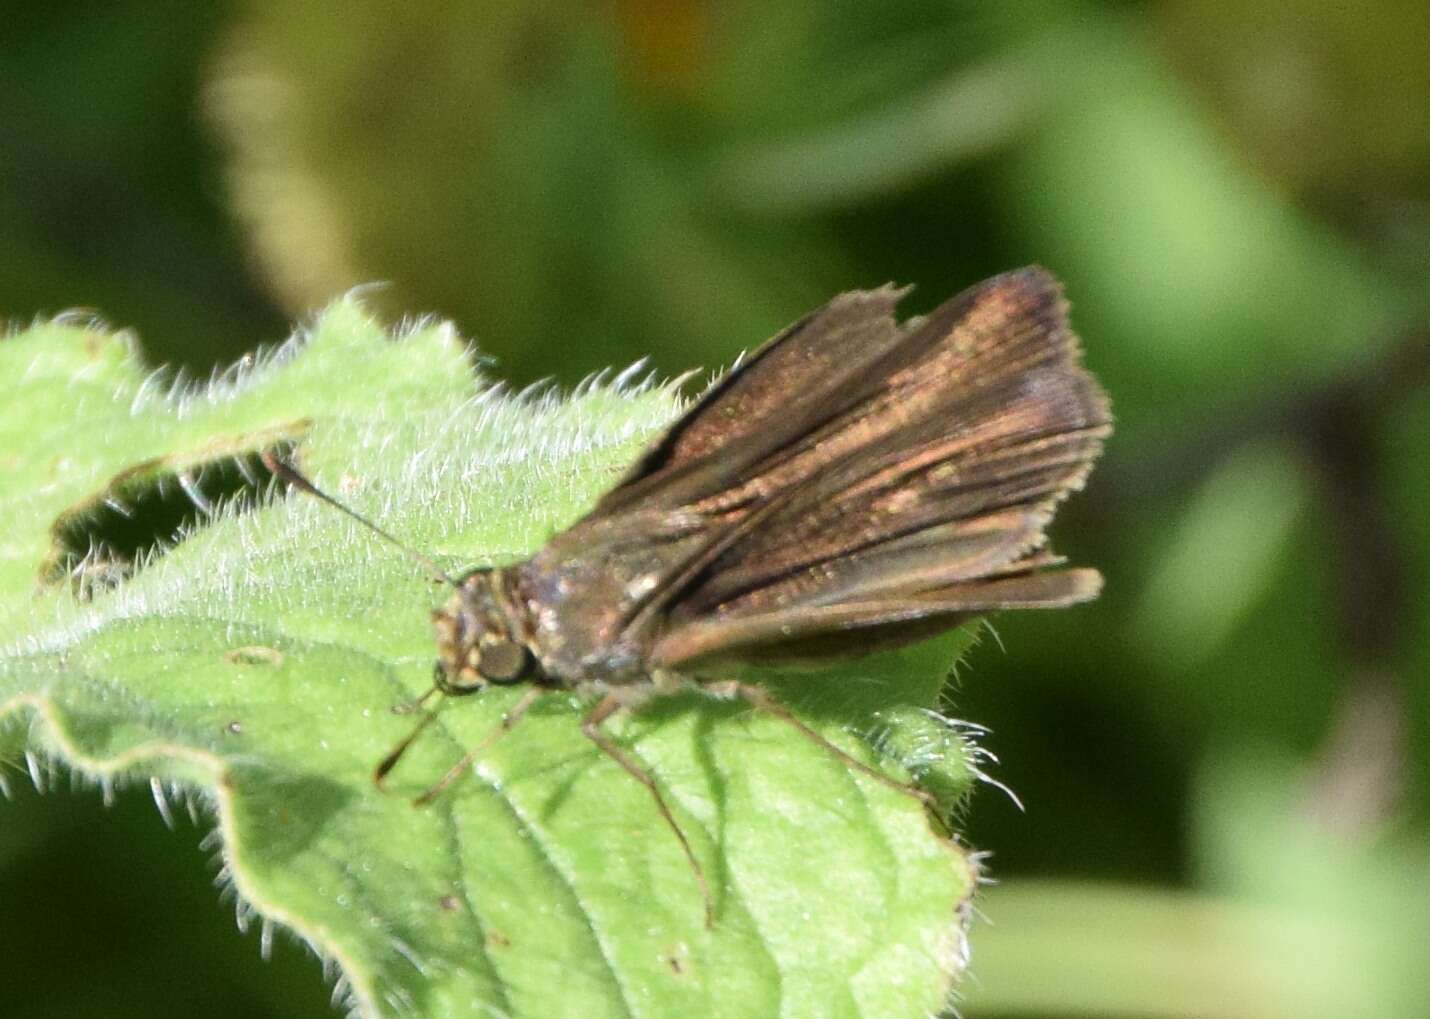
(456, 771)
(591, 729)
(761, 700)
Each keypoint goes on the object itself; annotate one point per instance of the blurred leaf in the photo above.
(492, 165)
(1203, 288)
(1068, 948)
(1357, 909)
(1408, 495)
(111, 196)
(1217, 561)
(252, 655)
(1289, 921)
(1323, 95)
(556, 180)
(967, 114)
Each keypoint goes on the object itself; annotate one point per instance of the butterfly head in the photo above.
(475, 644)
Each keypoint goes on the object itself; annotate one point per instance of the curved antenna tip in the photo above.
(293, 477)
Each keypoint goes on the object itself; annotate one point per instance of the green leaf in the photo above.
(251, 657)
(1218, 558)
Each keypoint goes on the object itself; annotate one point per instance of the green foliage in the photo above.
(252, 659)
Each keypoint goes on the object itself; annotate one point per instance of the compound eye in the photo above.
(502, 660)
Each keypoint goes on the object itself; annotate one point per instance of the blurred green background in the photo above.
(1224, 761)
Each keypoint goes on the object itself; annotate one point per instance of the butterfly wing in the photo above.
(802, 378)
(856, 482)
(814, 633)
(919, 503)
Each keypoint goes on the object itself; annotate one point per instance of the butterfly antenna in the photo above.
(384, 766)
(417, 705)
(292, 477)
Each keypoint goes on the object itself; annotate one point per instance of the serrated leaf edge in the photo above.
(361, 994)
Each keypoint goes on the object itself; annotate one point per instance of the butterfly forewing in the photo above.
(812, 371)
(986, 491)
(854, 474)
(859, 475)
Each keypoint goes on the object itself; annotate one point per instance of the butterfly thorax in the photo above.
(556, 621)
(578, 607)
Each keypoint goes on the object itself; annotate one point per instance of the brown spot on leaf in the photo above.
(677, 959)
(254, 654)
